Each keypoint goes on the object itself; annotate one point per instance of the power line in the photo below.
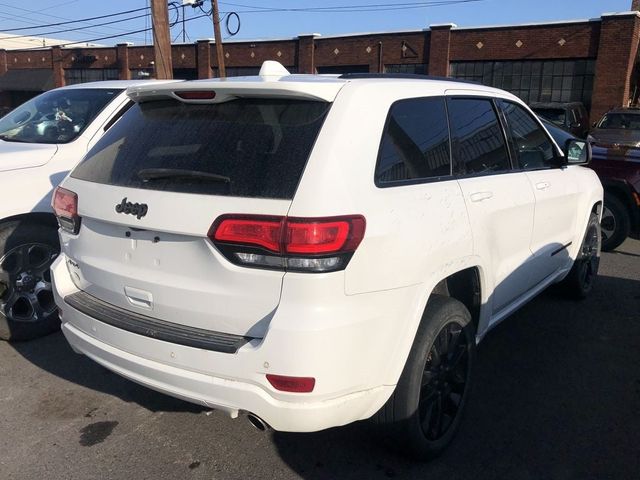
(108, 37)
(381, 7)
(70, 21)
(76, 28)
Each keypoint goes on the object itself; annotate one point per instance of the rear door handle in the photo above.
(480, 196)
(542, 185)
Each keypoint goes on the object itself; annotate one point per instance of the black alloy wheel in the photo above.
(25, 283)
(426, 408)
(444, 381)
(590, 256)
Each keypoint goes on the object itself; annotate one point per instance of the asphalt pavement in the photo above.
(557, 396)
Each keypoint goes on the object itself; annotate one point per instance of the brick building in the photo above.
(593, 61)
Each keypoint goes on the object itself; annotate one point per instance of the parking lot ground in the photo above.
(557, 396)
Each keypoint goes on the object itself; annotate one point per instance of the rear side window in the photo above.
(532, 146)
(415, 142)
(243, 148)
(479, 143)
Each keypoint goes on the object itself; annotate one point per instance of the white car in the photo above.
(313, 251)
(40, 141)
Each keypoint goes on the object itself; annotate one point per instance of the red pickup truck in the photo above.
(619, 172)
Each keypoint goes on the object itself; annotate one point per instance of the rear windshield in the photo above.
(242, 148)
(554, 115)
(629, 121)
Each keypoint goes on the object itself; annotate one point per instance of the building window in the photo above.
(414, 68)
(82, 75)
(534, 81)
(141, 73)
(185, 73)
(342, 69)
(245, 71)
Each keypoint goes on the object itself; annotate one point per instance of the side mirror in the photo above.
(577, 152)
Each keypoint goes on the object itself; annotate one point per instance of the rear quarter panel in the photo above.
(414, 233)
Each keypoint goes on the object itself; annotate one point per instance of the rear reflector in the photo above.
(197, 95)
(301, 244)
(292, 384)
(65, 206)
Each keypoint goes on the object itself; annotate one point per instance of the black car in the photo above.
(572, 116)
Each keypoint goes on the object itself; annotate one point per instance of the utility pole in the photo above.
(161, 39)
(216, 31)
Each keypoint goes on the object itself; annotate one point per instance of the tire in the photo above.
(27, 310)
(414, 419)
(616, 223)
(580, 280)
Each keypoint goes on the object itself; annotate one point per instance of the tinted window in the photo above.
(531, 144)
(559, 135)
(244, 147)
(554, 115)
(479, 142)
(415, 143)
(620, 121)
(57, 116)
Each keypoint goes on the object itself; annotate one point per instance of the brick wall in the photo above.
(562, 41)
(617, 50)
(613, 41)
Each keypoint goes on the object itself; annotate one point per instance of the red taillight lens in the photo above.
(65, 202)
(197, 95)
(250, 231)
(316, 237)
(292, 384)
(65, 206)
(322, 236)
(300, 244)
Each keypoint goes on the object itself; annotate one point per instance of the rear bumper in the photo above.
(351, 372)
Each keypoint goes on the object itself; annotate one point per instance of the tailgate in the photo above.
(163, 265)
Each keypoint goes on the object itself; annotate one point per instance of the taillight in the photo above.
(65, 206)
(287, 243)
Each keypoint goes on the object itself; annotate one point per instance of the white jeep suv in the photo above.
(314, 250)
(40, 141)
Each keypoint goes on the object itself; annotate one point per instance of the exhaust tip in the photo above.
(257, 422)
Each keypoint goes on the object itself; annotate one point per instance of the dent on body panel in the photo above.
(412, 232)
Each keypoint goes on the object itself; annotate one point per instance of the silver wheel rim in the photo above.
(608, 224)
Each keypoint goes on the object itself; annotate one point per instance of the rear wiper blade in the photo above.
(147, 174)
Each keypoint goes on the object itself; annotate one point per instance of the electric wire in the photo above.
(70, 21)
(124, 34)
(76, 28)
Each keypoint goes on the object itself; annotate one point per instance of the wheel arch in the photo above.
(466, 281)
(621, 191)
(45, 218)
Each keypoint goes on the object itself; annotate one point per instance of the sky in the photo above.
(256, 22)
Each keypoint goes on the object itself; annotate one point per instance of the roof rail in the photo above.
(410, 76)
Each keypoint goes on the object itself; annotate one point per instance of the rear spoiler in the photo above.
(292, 86)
